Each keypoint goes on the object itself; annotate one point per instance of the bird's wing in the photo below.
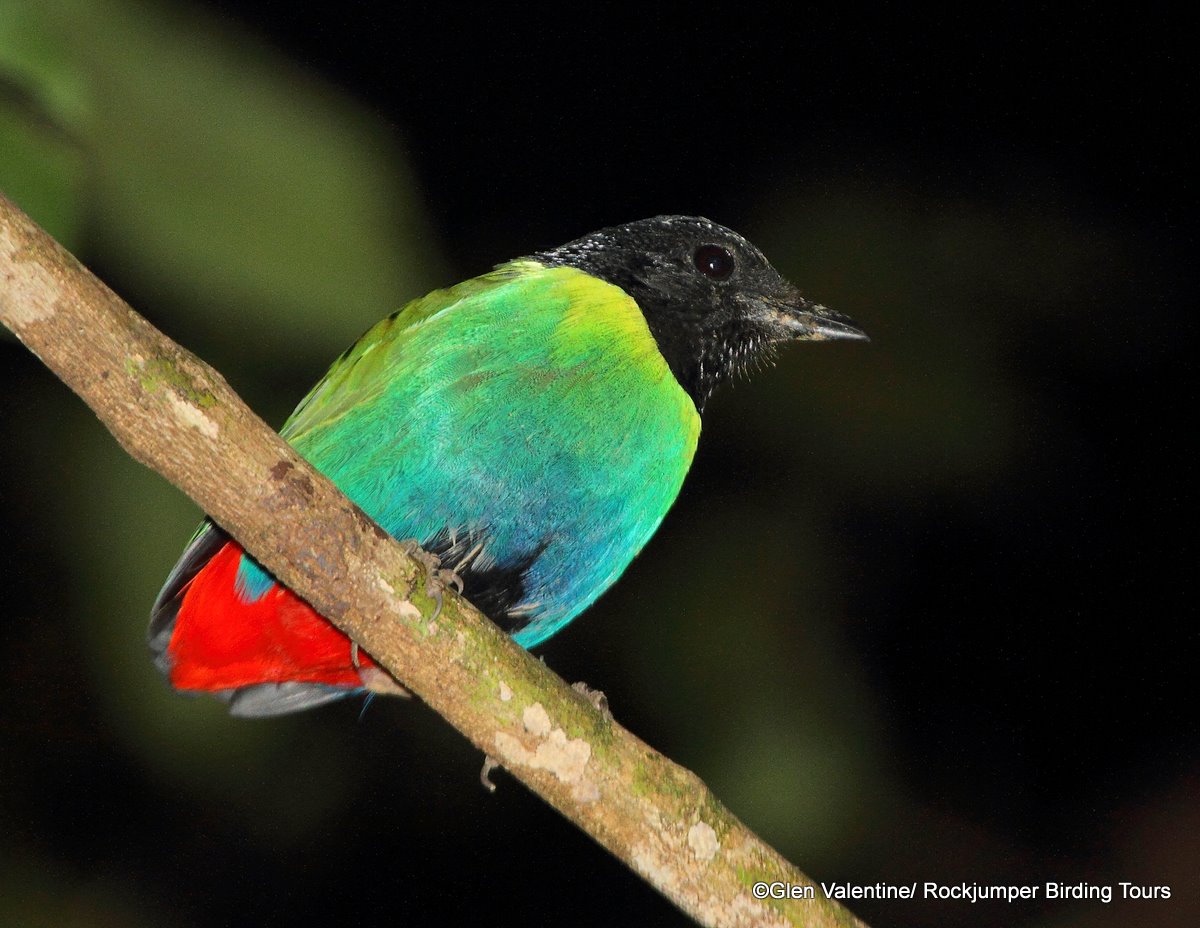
(375, 423)
(362, 372)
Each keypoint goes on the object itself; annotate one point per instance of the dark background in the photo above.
(924, 609)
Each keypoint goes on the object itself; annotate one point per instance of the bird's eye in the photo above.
(714, 261)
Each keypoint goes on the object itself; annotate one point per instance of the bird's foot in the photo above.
(376, 679)
(485, 775)
(437, 577)
(595, 697)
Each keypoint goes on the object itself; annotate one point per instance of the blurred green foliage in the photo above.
(205, 169)
(44, 106)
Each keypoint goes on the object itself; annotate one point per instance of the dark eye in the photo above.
(714, 261)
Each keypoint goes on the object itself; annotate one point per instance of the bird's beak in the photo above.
(804, 320)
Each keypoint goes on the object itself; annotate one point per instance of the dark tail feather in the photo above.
(207, 541)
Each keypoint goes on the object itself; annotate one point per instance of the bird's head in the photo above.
(712, 301)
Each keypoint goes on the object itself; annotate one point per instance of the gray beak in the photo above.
(807, 321)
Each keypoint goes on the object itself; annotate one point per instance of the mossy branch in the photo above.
(177, 415)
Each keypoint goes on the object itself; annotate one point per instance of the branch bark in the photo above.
(178, 416)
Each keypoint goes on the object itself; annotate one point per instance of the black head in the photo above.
(712, 301)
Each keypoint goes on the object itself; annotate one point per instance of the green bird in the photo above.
(531, 427)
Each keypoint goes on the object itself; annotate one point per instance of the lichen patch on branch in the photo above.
(703, 841)
(192, 417)
(566, 758)
(536, 720)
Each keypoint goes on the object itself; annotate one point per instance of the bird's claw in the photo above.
(485, 775)
(375, 679)
(595, 697)
(437, 577)
(378, 680)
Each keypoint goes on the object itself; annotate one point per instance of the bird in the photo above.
(529, 428)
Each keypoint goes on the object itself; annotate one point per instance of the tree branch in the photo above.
(176, 415)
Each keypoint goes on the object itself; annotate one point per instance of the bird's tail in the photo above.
(222, 625)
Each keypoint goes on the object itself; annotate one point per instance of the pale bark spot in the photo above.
(566, 758)
(23, 298)
(536, 720)
(192, 416)
(703, 841)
